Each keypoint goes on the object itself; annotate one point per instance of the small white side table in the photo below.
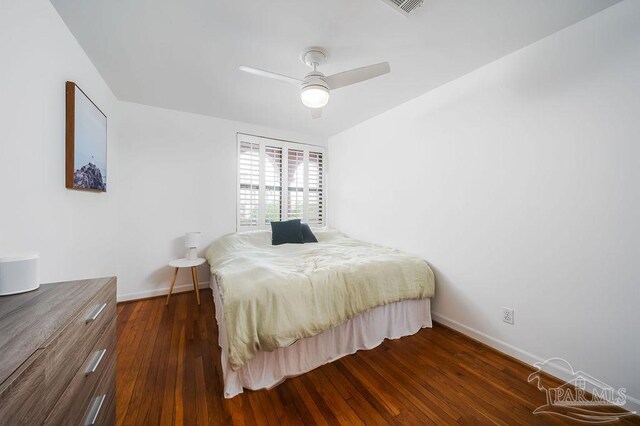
(186, 263)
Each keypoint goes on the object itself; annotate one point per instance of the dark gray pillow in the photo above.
(288, 232)
(307, 235)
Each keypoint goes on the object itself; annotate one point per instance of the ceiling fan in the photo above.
(315, 87)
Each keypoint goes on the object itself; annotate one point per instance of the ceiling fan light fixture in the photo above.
(314, 96)
(315, 88)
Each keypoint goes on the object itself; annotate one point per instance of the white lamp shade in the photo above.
(314, 96)
(192, 239)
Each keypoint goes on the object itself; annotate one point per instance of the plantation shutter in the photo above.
(249, 180)
(273, 184)
(315, 186)
(279, 180)
(296, 183)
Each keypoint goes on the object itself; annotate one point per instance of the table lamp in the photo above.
(191, 241)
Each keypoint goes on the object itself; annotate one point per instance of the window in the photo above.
(279, 180)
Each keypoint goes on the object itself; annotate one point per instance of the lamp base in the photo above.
(192, 253)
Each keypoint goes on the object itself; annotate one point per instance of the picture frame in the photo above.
(85, 142)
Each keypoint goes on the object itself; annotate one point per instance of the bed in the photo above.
(285, 310)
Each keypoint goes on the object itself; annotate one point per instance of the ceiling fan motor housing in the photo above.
(315, 78)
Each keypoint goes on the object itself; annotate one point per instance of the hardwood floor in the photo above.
(168, 372)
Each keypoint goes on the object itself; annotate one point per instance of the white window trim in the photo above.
(305, 148)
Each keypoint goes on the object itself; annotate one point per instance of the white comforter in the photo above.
(276, 295)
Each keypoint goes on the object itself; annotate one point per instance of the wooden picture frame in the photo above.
(86, 142)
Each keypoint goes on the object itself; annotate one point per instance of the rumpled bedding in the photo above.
(276, 295)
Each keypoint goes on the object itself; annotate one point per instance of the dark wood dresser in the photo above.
(57, 354)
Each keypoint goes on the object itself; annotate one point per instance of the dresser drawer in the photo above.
(100, 363)
(27, 396)
(101, 409)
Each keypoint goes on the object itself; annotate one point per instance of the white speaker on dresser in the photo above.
(18, 273)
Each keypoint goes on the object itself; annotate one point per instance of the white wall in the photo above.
(72, 230)
(177, 173)
(519, 183)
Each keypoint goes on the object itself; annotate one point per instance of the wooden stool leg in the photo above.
(194, 275)
(173, 281)
(197, 284)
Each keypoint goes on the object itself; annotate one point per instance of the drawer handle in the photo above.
(95, 313)
(95, 410)
(95, 362)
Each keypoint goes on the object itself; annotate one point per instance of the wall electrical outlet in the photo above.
(507, 315)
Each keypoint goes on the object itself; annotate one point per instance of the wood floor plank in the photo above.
(256, 408)
(302, 397)
(406, 411)
(169, 373)
(146, 371)
(127, 360)
(450, 378)
(331, 396)
(284, 394)
(168, 401)
(400, 386)
(375, 387)
(161, 354)
(366, 397)
(362, 406)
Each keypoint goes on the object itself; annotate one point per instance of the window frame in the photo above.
(284, 186)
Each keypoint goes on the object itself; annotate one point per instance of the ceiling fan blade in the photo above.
(357, 75)
(316, 112)
(269, 74)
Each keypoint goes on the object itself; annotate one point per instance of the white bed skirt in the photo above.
(364, 331)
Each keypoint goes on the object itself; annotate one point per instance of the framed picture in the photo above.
(86, 142)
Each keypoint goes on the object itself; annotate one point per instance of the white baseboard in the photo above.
(633, 404)
(159, 292)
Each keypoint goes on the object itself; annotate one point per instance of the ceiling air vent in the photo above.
(404, 6)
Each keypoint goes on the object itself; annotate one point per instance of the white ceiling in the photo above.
(184, 55)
